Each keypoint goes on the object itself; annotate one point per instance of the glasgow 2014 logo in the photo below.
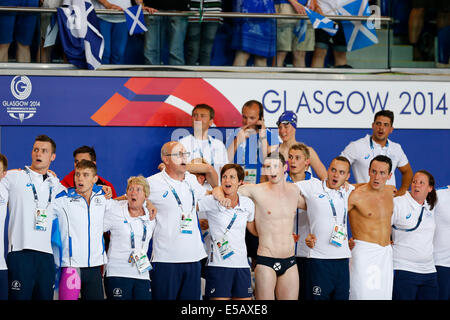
(21, 108)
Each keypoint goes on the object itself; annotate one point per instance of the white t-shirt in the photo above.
(211, 149)
(362, 151)
(21, 229)
(441, 235)
(219, 219)
(3, 209)
(321, 219)
(412, 251)
(119, 222)
(169, 244)
(301, 225)
(330, 7)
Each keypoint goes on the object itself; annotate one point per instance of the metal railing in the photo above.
(207, 14)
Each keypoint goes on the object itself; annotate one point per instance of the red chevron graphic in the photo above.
(119, 111)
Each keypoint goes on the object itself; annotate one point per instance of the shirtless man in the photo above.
(275, 209)
(370, 209)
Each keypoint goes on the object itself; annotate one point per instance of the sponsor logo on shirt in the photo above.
(317, 291)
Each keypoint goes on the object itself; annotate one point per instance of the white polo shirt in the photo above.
(301, 225)
(413, 250)
(21, 204)
(321, 219)
(3, 209)
(441, 237)
(362, 151)
(81, 227)
(211, 149)
(119, 222)
(219, 219)
(169, 244)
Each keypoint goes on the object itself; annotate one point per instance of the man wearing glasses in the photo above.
(177, 241)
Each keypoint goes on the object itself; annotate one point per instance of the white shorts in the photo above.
(371, 272)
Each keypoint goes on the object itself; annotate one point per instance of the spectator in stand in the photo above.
(256, 36)
(161, 29)
(201, 32)
(324, 40)
(287, 41)
(114, 30)
(46, 52)
(19, 27)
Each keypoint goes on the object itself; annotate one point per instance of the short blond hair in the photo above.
(139, 180)
(301, 147)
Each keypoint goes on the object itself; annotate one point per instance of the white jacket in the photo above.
(81, 227)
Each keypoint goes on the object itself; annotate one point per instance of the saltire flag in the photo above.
(320, 22)
(135, 20)
(79, 33)
(357, 33)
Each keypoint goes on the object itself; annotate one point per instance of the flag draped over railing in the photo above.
(80, 35)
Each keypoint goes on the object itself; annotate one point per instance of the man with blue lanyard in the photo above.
(30, 192)
(200, 145)
(362, 151)
(298, 159)
(327, 274)
(177, 241)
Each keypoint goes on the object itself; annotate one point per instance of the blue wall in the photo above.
(126, 151)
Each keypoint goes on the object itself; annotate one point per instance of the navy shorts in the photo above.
(327, 279)
(224, 282)
(31, 275)
(301, 267)
(3, 284)
(18, 26)
(415, 286)
(443, 274)
(176, 281)
(121, 288)
(91, 283)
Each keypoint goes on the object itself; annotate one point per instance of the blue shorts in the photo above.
(3, 284)
(121, 288)
(443, 275)
(31, 275)
(415, 286)
(18, 26)
(176, 281)
(224, 282)
(327, 279)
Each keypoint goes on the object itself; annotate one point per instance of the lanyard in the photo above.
(33, 187)
(200, 149)
(177, 198)
(233, 219)
(144, 235)
(333, 209)
(412, 229)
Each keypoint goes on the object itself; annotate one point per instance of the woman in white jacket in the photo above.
(127, 271)
(413, 226)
